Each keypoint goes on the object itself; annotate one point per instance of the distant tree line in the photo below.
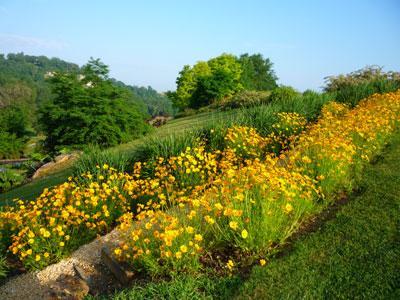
(209, 82)
(31, 88)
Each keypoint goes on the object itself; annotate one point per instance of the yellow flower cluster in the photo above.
(285, 131)
(245, 142)
(259, 203)
(63, 218)
(334, 149)
(175, 210)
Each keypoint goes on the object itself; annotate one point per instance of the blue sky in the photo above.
(148, 42)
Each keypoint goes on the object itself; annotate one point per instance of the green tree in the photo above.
(207, 82)
(223, 81)
(187, 84)
(89, 109)
(257, 74)
(223, 76)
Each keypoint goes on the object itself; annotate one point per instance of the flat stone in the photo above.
(67, 287)
(118, 269)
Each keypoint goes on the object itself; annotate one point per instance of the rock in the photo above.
(52, 166)
(122, 274)
(67, 287)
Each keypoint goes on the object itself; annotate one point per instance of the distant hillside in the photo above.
(156, 104)
(22, 78)
(22, 81)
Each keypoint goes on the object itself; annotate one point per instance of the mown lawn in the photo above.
(354, 255)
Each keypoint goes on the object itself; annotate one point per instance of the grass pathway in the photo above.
(354, 255)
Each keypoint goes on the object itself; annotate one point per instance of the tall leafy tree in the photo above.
(89, 109)
(257, 74)
(207, 82)
(220, 77)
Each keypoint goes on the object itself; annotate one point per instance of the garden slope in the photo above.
(33, 189)
(354, 255)
(357, 254)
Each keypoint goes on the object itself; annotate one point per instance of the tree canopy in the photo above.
(210, 81)
(89, 109)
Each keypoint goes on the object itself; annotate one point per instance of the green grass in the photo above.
(354, 255)
(3, 268)
(33, 189)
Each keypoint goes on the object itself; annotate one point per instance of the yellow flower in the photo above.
(178, 255)
(189, 229)
(262, 262)
(183, 248)
(46, 254)
(29, 251)
(244, 233)
(198, 237)
(288, 208)
(233, 225)
(117, 251)
(218, 206)
(230, 264)
(37, 258)
(209, 220)
(62, 244)
(31, 241)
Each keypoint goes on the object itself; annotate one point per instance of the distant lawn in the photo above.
(354, 255)
(33, 189)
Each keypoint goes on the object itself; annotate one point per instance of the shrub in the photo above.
(246, 99)
(10, 146)
(283, 93)
(353, 87)
(8, 179)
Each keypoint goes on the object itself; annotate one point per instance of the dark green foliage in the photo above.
(283, 93)
(3, 267)
(246, 99)
(257, 73)
(89, 109)
(15, 127)
(157, 104)
(8, 179)
(149, 100)
(14, 120)
(353, 87)
(10, 146)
